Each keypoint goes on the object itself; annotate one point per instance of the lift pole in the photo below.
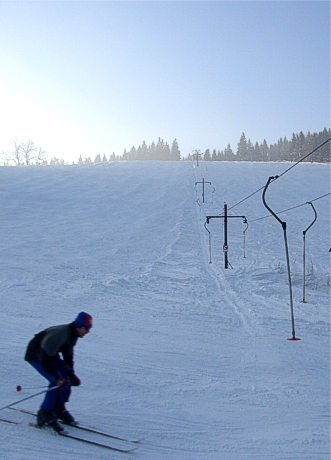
(304, 251)
(225, 243)
(203, 187)
(196, 154)
(244, 233)
(283, 224)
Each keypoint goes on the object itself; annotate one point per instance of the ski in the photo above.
(96, 443)
(85, 428)
(65, 434)
(102, 433)
(5, 420)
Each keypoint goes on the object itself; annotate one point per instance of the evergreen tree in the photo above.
(228, 153)
(144, 151)
(294, 150)
(130, 155)
(152, 151)
(264, 149)
(207, 156)
(257, 152)
(250, 151)
(166, 152)
(220, 155)
(242, 151)
(175, 152)
(282, 150)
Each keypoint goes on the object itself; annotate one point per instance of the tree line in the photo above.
(155, 151)
(28, 153)
(283, 150)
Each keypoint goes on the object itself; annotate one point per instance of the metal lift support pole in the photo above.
(304, 251)
(283, 224)
(244, 233)
(226, 246)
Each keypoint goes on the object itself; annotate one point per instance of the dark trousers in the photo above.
(54, 399)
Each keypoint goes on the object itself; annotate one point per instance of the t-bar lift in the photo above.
(203, 182)
(225, 217)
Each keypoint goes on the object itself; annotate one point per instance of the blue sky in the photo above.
(98, 77)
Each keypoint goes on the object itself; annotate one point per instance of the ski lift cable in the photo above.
(293, 207)
(283, 173)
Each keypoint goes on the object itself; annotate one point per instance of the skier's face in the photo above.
(81, 331)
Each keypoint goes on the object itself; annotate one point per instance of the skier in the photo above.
(43, 353)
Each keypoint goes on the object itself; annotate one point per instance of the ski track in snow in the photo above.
(185, 354)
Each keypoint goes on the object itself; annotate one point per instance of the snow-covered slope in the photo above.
(183, 353)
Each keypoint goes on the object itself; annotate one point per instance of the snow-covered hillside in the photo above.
(183, 353)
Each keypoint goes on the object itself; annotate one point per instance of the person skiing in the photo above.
(51, 353)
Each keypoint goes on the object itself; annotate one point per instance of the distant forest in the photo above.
(156, 151)
(284, 150)
(300, 145)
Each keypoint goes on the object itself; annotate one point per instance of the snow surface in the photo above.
(183, 353)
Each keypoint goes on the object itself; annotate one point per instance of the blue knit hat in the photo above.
(83, 320)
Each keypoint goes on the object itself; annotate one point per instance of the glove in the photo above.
(74, 380)
(61, 382)
(71, 376)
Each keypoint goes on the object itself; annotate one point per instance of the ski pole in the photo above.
(28, 397)
(20, 388)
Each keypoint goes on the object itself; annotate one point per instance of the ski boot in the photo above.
(64, 416)
(46, 418)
